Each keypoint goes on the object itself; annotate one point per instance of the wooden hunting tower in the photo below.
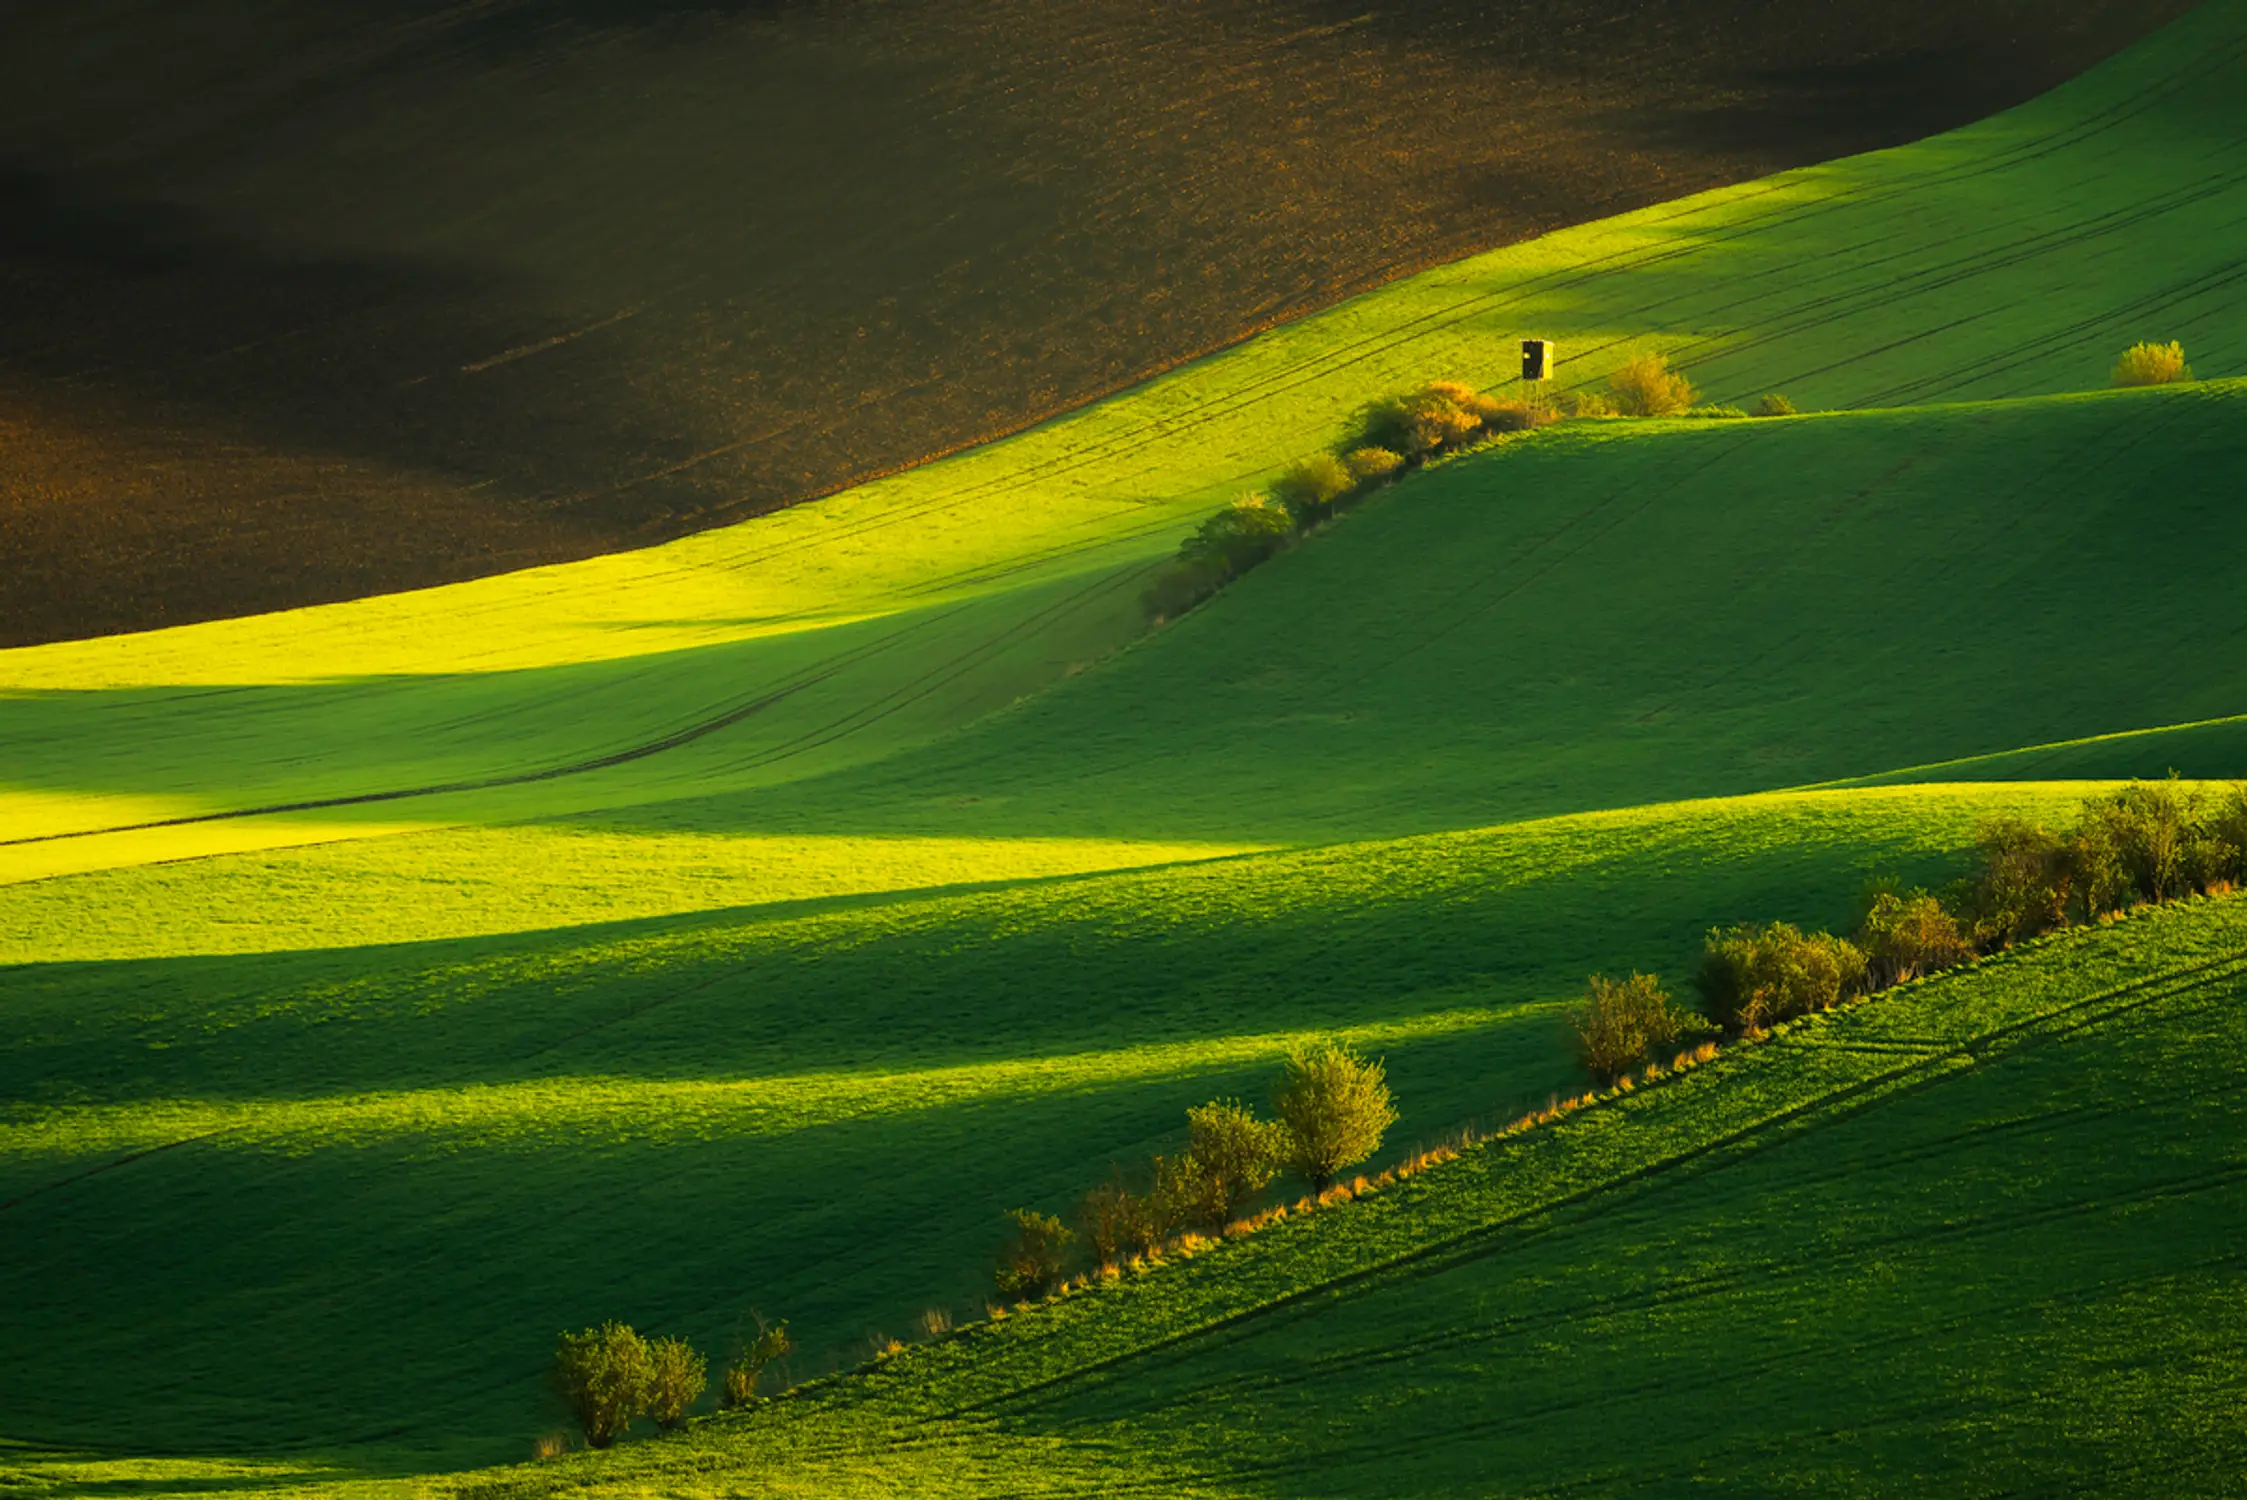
(1537, 359)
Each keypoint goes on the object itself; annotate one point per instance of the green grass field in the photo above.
(743, 924)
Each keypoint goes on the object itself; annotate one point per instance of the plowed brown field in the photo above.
(300, 302)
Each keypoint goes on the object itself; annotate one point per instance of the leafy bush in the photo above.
(1180, 1194)
(1181, 586)
(677, 1377)
(1775, 405)
(749, 1363)
(1907, 934)
(1752, 977)
(1114, 1222)
(1435, 417)
(1648, 387)
(2151, 364)
(1034, 1254)
(1716, 413)
(2149, 831)
(2027, 875)
(1587, 404)
(1370, 464)
(2224, 841)
(1334, 1107)
(603, 1375)
(1235, 1154)
(1240, 536)
(1519, 416)
(1313, 488)
(1618, 1021)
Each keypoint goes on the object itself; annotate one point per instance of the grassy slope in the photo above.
(1974, 1237)
(463, 1144)
(463, 1140)
(1612, 614)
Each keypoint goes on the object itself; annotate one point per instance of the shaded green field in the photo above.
(1973, 1237)
(818, 1110)
(744, 924)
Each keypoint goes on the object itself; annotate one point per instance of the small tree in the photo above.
(1180, 1194)
(2150, 827)
(2151, 364)
(1752, 977)
(1370, 463)
(1110, 1220)
(1774, 405)
(1237, 1156)
(1648, 387)
(1240, 536)
(677, 1377)
(1426, 422)
(1031, 1260)
(749, 1362)
(1311, 489)
(1907, 934)
(1617, 1022)
(2026, 879)
(1334, 1107)
(603, 1375)
(2224, 840)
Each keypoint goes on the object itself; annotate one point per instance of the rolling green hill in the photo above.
(742, 924)
(1972, 1237)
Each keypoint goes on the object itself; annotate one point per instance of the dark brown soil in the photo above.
(308, 299)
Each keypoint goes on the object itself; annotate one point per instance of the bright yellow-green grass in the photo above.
(743, 925)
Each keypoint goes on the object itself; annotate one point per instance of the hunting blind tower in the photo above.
(1537, 359)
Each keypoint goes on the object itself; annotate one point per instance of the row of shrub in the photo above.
(1333, 1109)
(2145, 843)
(611, 1376)
(1391, 437)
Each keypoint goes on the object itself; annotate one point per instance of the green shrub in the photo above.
(1908, 934)
(1313, 488)
(2151, 364)
(1334, 1107)
(2150, 830)
(1431, 419)
(749, 1363)
(1240, 536)
(2224, 840)
(603, 1376)
(1235, 1155)
(1180, 586)
(2027, 877)
(1752, 977)
(1618, 1021)
(1775, 405)
(1112, 1221)
(1370, 465)
(1648, 387)
(1587, 404)
(1519, 416)
(1716, 414)
(1034, 1255)
(677, 1377)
